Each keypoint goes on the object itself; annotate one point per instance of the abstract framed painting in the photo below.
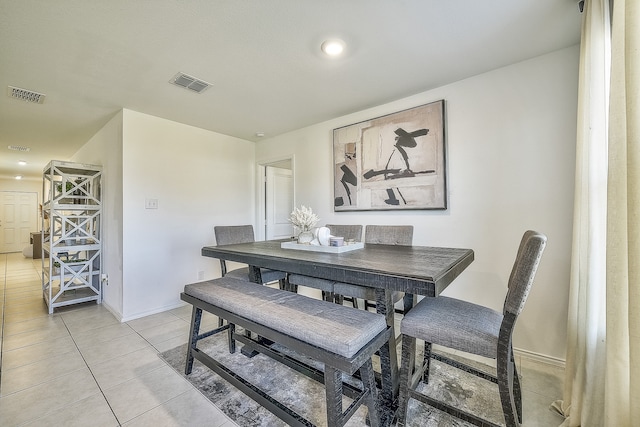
(393, 162)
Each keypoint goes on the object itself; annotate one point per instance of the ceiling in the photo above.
(92, 58)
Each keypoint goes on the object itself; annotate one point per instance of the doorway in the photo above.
(18, 218)
(276, 199)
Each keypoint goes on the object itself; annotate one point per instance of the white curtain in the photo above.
(622, 390)
(585, 368)
(602, 376)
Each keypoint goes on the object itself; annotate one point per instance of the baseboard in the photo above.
(154, 311)
(113, 311)
(539, 358)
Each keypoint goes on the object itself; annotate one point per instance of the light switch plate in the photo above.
(151, 203)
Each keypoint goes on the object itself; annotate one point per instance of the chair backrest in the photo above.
(389, 235)
(231, 234)
(349, 232)
(524, 270)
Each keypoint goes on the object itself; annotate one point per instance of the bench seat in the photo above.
(342, 338)
(335, 328)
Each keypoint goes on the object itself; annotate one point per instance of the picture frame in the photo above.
(393, 162)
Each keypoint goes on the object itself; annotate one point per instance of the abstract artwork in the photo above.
(394, 162)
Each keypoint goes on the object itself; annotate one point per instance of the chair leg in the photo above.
(505, 374)
(340, 299)
(408, 301)
(232, 342)
(406, 370)
(284, 285)
(426, 362)
(517, 392)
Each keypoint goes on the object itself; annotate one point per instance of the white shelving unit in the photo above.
(71, 234)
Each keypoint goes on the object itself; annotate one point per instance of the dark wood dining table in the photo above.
(415, 270)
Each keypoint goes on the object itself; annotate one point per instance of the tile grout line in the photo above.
(4, 296)
(171, 367)
(90, 371)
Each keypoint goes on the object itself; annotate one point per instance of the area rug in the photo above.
(307, 397)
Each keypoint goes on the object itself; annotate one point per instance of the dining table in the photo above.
(414, 270)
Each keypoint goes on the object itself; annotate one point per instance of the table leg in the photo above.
(254, 274)
(388, 360)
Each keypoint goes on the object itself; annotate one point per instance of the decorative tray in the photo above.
(327, 249)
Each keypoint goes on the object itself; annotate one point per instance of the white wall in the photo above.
(105, 149)
(200, 179)
(511, 160)
(23, 185)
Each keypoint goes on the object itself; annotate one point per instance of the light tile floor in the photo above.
(81, 367)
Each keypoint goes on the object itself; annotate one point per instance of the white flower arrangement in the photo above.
(303, 218)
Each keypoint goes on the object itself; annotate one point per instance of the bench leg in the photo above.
(369, 385)
(333, 386)
(196, 317)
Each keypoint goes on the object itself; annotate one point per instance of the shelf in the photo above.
(70, 297)
(73, 248)
(71, 220)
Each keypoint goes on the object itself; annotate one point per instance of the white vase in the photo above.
(305, 237)
(323, 234)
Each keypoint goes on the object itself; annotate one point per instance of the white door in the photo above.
(18, 218)
(278, 202)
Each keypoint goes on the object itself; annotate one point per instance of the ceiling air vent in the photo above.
(189, 82)
(18, 148)
(25, 95)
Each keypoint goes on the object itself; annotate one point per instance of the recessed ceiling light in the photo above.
(18, 176)
(22, 162)
(259, 134)
(333, 47)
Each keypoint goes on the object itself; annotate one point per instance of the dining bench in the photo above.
(341, 338)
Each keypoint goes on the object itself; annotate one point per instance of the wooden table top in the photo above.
(422, 270)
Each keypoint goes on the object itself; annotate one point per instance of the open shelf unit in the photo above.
(71, 220)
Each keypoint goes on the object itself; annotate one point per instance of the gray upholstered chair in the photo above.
(377, 235)
(349, 232)
(233, 234)
(475, 329)
(389, 235)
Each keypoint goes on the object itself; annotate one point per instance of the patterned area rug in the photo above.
(307, 397)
